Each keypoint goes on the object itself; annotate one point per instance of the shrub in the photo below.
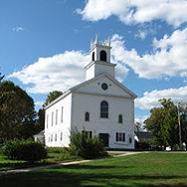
(60, 150)
(26, 150)
(60, 154)
(86, 147)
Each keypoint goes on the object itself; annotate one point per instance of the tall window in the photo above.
(103, 56)
(52, 116)
(62, 114)
(87, 116)
(56, 118)
(93, 56)
(104, 109)
(55, 137)
(61, 136)
(120, 118)
(51, 138)
(120, 137)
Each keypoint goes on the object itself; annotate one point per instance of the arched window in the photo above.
(120, 118)
(87, 116)
(93, 56)
(103, 56)
(104, 109)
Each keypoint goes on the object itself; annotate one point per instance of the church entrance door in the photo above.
(104, 137)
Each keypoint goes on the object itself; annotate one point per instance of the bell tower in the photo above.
(100, 60)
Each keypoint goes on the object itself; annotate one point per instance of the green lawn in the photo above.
(151, 169)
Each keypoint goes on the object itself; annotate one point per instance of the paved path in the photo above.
(25, 170)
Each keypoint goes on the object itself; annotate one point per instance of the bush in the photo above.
(60, 154)
(26, 150)
(86, 147)
(58, 150)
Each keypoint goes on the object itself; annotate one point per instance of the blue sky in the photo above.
(42, 41)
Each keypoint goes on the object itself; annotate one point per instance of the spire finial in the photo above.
(109, 41)
(91, 44)
(96, 39)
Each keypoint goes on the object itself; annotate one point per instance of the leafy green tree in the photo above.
(163, 124)
(17, 114)
(183, 118)
(52, 96)
(40, 122)
(1, 77)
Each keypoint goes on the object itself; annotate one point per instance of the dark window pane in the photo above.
(104, 109)
(116, 136)
(93, 56)
(103, 56)
(87, 116)
(120, 119)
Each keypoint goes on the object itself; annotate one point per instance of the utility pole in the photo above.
(179, 123)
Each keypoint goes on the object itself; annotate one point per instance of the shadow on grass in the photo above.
(70, 176)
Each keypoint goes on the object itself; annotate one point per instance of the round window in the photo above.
(104, 86)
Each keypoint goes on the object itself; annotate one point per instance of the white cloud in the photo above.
(58, 72)
(141, 119)
(61, 71)
(141, 34)
(150, 99)
(18, 29)
(136, 11)
(168, 57)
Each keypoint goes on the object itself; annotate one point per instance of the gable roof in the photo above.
(75, 88)
(133, 95)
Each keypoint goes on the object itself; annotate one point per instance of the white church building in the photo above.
(101, 106)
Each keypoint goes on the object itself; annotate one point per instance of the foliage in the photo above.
(56, 154)
(57, 150)
(1, 77)
(17, 112)
(86, 147)
(40, 121)
(183, 118)
(52, 96)
(26, 150)
(163, 124)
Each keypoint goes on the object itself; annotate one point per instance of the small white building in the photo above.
(100, 106)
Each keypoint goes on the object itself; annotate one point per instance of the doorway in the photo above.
(104, 137)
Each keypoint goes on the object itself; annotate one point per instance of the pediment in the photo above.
(112, 87)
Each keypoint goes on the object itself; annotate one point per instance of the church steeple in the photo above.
(100, 59)
(100, 51)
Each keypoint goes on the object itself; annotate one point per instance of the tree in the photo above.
(163, 124)
(183, 119)
(52, 96)
(40, 122)
(17, 112)
(1, 77)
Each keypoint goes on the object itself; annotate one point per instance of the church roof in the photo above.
(75, 88)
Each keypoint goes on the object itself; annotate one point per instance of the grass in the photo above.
(151, 169)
